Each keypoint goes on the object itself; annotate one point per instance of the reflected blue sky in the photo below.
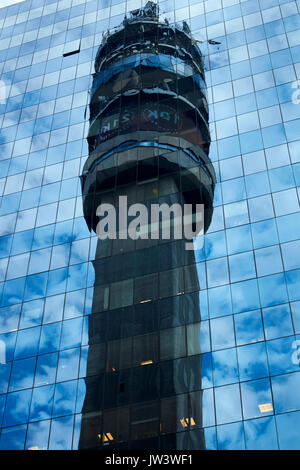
(248, 269)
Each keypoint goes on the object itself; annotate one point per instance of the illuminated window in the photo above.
(265, 408)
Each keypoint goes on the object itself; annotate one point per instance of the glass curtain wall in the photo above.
(244, 342)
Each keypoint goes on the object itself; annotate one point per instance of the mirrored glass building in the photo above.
(141, 343)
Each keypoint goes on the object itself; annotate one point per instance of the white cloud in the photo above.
(7, 3)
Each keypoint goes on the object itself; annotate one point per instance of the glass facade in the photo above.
(136, 344)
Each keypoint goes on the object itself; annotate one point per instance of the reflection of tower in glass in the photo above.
(148, 140)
